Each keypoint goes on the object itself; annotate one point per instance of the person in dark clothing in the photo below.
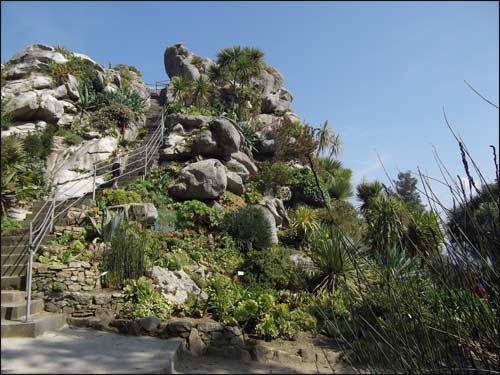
(116, 168)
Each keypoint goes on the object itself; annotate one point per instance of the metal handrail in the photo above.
(38, 230)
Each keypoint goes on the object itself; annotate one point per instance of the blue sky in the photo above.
(379, 72)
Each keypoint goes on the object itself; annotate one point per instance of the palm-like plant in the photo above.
(304, 221)
(201, 88)
(236, 66)
(336, 177)
(181, 88)
(367, 192)
(328, 140)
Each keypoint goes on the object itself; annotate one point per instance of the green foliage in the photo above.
(338, 261)
(294, 141)
(75, 66)
(22, 173)
(474, 224)
(304, 221)
(5, 117)
(233, 69)
(109, 224)
(70, 137)
(251, 194)
(271, 176)
(196, 214)
(154, 187)
(305, 190)
(406, 189)
(250, 139)
(125, 259)
(230, 201)
(142, 300)
(344, 216)
(337, 179)
(8, 223)
(367, 192)
(272, 268)
(115, 197)
(248, 227)
(63, 50)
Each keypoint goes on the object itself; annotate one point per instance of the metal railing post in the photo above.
(29, 273)
(93, 185)
(162, 126)
(53, 211)
(146, 162)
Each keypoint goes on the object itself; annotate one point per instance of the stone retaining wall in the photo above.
(75, 289)
(72, 277)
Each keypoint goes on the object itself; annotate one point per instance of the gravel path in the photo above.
(79, 351)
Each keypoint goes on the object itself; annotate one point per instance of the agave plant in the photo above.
(339, 262)
(110, 224)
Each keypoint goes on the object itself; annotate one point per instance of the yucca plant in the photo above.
(304, 221)
(339, 261)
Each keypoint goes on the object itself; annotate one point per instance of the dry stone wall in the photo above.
(75, 289)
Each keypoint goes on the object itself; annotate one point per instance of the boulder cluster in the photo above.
(32, 98)
(218, 140)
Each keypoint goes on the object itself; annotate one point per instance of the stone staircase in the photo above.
(151, 125)
(14, 313)
(14, 255)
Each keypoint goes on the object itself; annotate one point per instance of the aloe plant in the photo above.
(110, 224)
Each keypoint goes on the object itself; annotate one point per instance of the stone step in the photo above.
(38, 324)
(12, 282)
(13, 296)
(13, 269)
(14, 258)
(15, 310)
(12, 243)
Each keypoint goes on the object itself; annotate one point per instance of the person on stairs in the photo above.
(116, 168)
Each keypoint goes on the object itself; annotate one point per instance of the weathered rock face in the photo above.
(205, 179)
(269, 217)
(65, 164)
(177, 60)
(32, 56)
(275, 97)
(145, 213)
(176, 285)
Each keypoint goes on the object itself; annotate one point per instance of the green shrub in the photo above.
(252, 194)
(196, 214)
(305, 190)
(142, 300)
(126, 258)
(70, 138)
(248, 227)
(271, 176)
(273, 268)
(109, 116)
(230, 202)
(114, 197)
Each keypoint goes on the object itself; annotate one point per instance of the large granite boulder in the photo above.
(177, 60)
(204, 179)
(66, 166)
(145, 213)
(31, 57)
(176, 286)
(275, 97)
(269, 217)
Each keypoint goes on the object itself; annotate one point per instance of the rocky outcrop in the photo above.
(176, 286)
(65, 165)
(269, 217)
(205, 179)
(177, 60)
(144, 213)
